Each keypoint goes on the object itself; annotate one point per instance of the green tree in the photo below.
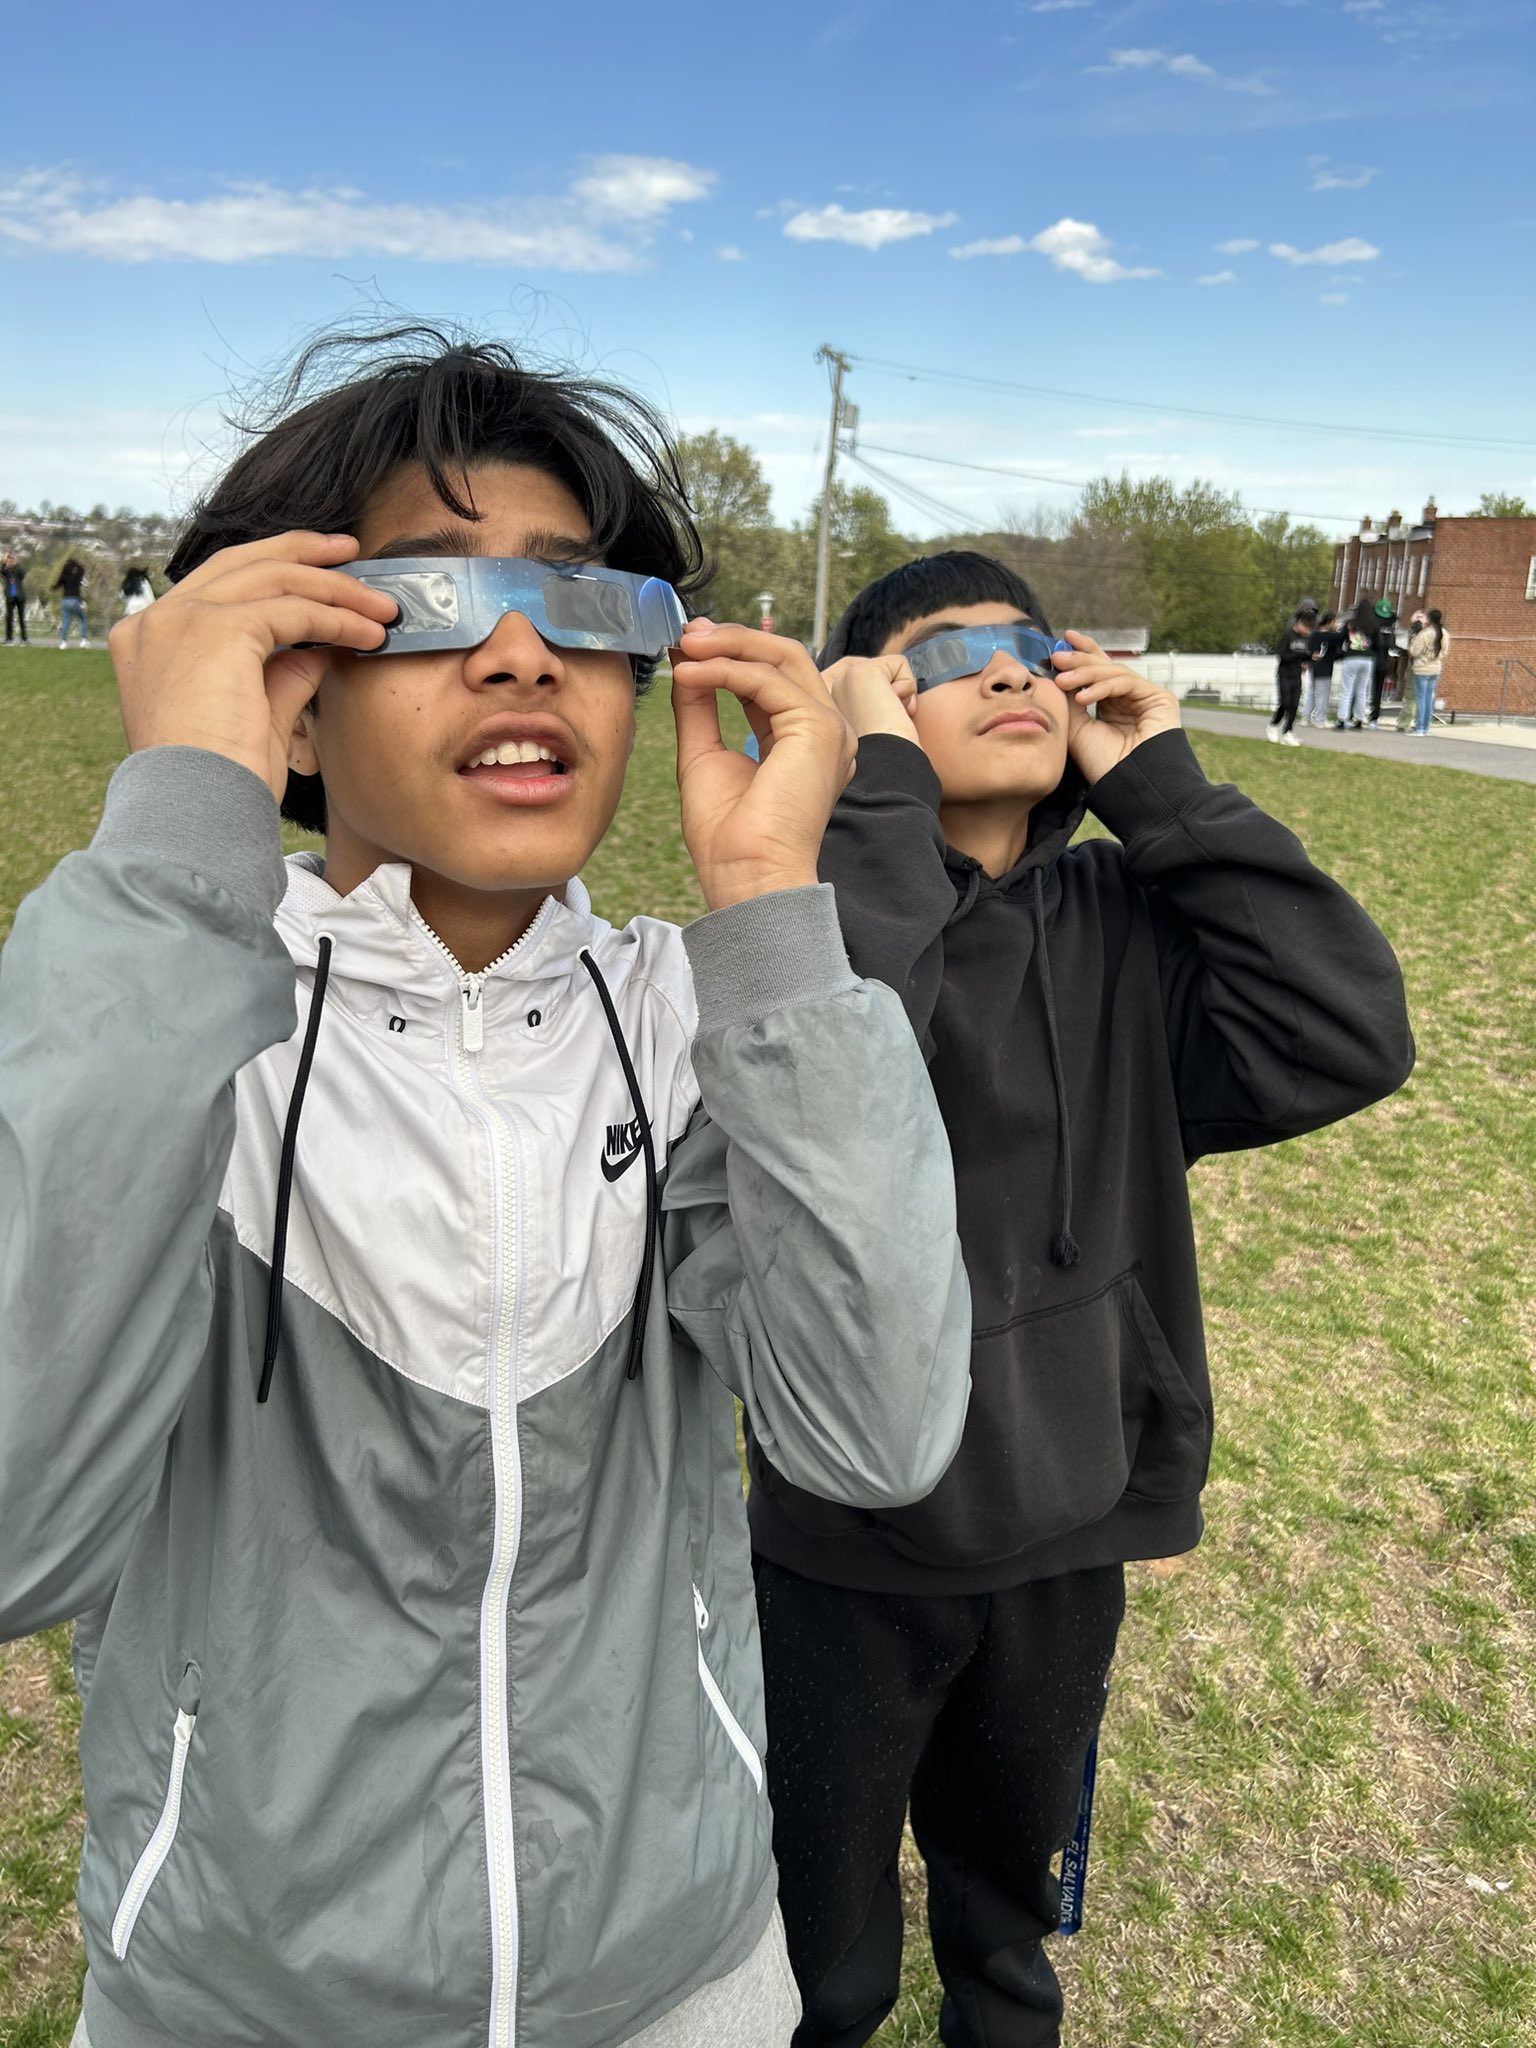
(730, 500)
(864, 545)
(1502, 505)
(1290, 563)
(1194, 550)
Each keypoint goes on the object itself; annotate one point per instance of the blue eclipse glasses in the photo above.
(966, 652)
(449, 601)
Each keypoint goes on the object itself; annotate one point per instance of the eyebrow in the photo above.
(543, 544)
(955, 626)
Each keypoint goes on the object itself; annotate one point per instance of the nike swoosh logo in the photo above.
(612, 1168)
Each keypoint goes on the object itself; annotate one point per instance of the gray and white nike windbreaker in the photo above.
(422, 1701)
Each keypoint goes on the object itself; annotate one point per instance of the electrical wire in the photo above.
(1077, 484)
(916, 374)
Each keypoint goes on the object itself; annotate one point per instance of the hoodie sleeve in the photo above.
(1284, 1004)
(139, 979)
(809, 1230)
(884, 856)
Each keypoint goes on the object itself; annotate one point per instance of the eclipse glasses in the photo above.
(966, 652)
(449, 601)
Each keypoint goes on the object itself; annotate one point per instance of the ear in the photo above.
(302, 758)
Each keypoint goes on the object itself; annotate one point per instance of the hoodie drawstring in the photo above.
(642, 1301)
(1064, 1247)
(285, 1171)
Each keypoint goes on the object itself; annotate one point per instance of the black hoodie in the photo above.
(1094, 1021)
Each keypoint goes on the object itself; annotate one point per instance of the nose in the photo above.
(513, 652)
(1003, 674)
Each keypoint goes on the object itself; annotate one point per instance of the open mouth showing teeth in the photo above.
(518, 754)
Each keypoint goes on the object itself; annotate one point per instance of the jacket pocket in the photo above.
(1071, 1407)
(740, 1741)
(158, 1847)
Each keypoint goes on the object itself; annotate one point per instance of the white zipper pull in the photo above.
(471, 1013)
(700, 1611)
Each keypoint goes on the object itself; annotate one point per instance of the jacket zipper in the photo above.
(506, 1469)
(741, 1742)
(158, 1847)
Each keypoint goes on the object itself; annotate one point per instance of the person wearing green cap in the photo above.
(1383, 656)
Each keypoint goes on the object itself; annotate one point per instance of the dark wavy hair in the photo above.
(931, 583)
(356, 407)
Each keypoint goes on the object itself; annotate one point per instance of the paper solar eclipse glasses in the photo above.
(966, 652)
(450, 601)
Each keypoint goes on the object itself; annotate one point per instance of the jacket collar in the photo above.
(378, 937)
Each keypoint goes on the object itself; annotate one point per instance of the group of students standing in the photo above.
(136, 591)
(1364, 650)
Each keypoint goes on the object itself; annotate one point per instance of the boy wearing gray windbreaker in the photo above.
(365, 1386)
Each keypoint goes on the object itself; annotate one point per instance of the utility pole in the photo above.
(839, 367)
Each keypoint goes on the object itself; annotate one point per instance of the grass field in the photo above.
(1317, 1818)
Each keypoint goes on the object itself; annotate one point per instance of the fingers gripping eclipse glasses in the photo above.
(966, 652)
(453, 601)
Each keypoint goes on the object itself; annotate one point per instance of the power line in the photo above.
(919, 500)
(914, 373)
(1077, 484)
(1038, 552)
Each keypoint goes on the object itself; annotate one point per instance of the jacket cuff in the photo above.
(200, 812)
(1154, 783)
(886, 763)
(766, 954)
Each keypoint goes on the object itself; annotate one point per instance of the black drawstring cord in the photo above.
(285, 1172)
(1064, 1247)
(652, 1190)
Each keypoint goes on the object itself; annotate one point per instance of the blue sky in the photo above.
(1304, 210)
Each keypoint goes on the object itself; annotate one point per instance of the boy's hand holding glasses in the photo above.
(755, 827)
(1130, 709)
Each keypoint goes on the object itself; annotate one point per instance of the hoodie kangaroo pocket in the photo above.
(1071, 1407)
(155, 1851)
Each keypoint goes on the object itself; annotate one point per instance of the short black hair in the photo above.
(357, 407)
(930, 583)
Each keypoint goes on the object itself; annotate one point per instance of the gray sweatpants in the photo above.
(755, 2006)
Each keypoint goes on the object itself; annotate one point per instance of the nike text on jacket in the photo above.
(422, 1703)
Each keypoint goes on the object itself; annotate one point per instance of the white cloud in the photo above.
(871, 229)
(1325, 179)
(1006, 245)
(729, 253)
(1333, 298)
(601, 224)
(1183, 65)
(1351, 250)
(1057, 6)
(1077, 245)
(1243, 245)
(640, 187)
(1219, 277)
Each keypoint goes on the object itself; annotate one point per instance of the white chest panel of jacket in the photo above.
(416, 1081)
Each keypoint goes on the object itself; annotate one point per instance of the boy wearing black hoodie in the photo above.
(1095, 1018)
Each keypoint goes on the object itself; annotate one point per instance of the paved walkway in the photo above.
(1506, 752)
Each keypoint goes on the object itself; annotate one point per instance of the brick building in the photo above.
(1481, 573)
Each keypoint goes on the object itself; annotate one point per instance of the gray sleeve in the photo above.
(139, 979)
(810, 1236)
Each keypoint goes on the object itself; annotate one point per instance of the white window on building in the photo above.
(1530, 582)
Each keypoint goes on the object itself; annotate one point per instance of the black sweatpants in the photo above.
(1288, 692)
(980, 1709)
(16, 609)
